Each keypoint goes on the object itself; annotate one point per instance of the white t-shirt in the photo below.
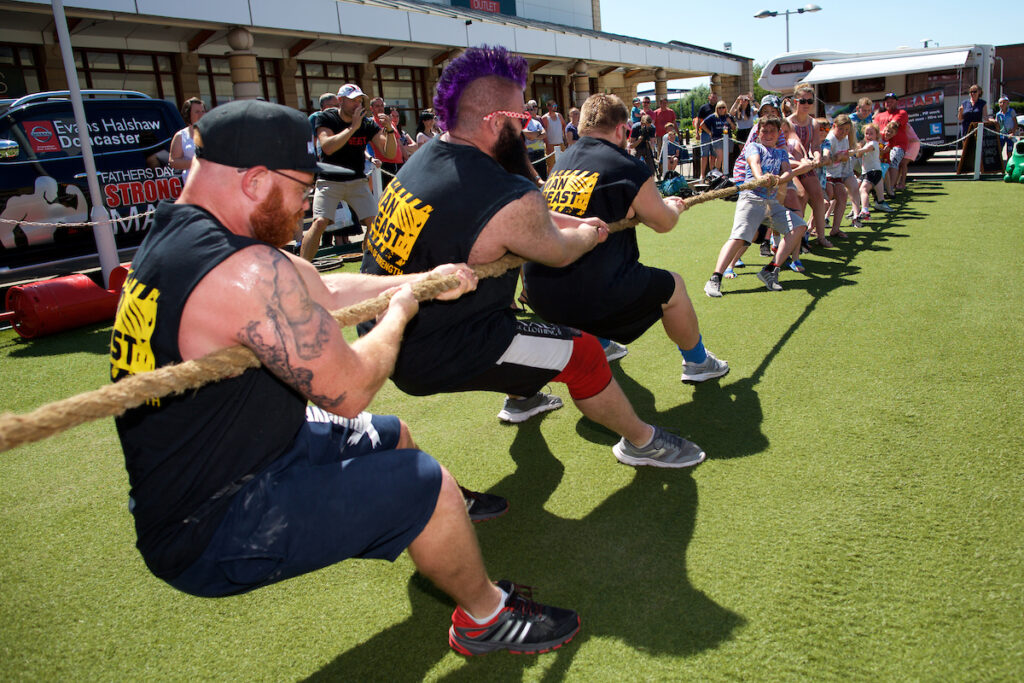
(838, 145)
(870, 160)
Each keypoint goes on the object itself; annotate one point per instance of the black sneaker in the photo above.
(523, 627)
(483, 506)
(766, 248)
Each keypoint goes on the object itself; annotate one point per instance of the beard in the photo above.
(271, 223)
(510, 152)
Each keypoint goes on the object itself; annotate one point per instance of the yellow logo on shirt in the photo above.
(569, 191)
(130, 350)
(400, 218)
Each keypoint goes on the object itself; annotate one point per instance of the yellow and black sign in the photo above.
(400, 219)
(569, 192)
(130, 350)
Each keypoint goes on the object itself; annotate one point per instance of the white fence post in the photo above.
(977, 151)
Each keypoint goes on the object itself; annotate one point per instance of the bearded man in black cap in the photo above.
(238, 484)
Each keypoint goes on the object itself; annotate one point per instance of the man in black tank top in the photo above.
(466, 197)
(608, 292)
(237, 484)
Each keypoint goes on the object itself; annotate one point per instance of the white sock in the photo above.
(490, 617)
(648, 442)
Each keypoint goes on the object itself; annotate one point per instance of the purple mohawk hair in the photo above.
(476, 62)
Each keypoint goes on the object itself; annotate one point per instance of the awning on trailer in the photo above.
(845, 70)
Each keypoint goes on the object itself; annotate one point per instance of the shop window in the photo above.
(868, 85)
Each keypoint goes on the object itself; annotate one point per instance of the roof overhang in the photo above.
(849, 69)
(415, 33)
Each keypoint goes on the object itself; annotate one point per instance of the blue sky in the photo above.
(858, 26)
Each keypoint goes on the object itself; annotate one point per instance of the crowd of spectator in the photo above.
(867, 151)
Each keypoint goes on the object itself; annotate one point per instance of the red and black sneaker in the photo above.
(523, 627)
(483, 506)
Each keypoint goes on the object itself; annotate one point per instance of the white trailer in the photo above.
(941, 74)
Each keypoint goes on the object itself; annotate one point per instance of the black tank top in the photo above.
(594, 178)
(184, 453)
(430, 214)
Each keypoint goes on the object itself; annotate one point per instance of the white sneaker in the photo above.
(521, 409)
(709, 369)
(665, 450)
(713, 288)
(615, 351)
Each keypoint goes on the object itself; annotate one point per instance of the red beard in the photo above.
(271, 223)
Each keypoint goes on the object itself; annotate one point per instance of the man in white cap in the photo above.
(343, 134)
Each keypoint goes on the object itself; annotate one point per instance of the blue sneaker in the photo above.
(796, 266)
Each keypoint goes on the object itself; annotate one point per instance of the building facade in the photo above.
(291, 52)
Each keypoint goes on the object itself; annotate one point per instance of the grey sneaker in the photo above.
(884, 206)
(665, 450)
(713, 288)
(615, 351)
(709, 369)
(522, 409)
(770, 278)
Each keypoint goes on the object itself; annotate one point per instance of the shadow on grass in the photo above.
(93, 339)
(622, 567)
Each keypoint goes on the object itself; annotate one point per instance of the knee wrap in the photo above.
(587, 373)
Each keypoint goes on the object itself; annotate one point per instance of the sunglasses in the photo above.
(810, 101)
(309, 186)
(522, 116)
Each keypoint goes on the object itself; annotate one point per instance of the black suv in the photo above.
(42, 176)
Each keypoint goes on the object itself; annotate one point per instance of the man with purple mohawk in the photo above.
(467, 198)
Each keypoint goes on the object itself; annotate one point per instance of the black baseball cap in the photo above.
(888, 95)
(246, 133)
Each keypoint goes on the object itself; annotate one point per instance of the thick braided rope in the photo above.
(135, 390)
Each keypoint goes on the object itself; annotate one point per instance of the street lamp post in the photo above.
(764, 14)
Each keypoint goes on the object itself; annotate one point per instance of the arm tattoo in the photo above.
(299, 327)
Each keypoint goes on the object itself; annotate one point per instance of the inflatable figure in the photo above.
(1015, 166)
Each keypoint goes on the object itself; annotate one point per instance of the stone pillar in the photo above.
(52, 63)
(289, 88)
(245, 73)
(595, 8)
(368, 81)
(660, 86)
(580, 83)
(728, 89)
(186, 75)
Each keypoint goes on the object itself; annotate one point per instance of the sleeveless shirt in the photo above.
(431, 214)
(184, 453)
(594, 178)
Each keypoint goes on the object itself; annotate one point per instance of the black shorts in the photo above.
(873, 177)
(537, 354)
(627, 322)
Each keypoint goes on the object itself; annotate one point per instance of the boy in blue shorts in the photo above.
(763, 158)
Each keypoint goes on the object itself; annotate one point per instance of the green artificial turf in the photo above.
(859, 517)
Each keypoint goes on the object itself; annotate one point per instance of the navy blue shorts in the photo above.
(342, 491)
